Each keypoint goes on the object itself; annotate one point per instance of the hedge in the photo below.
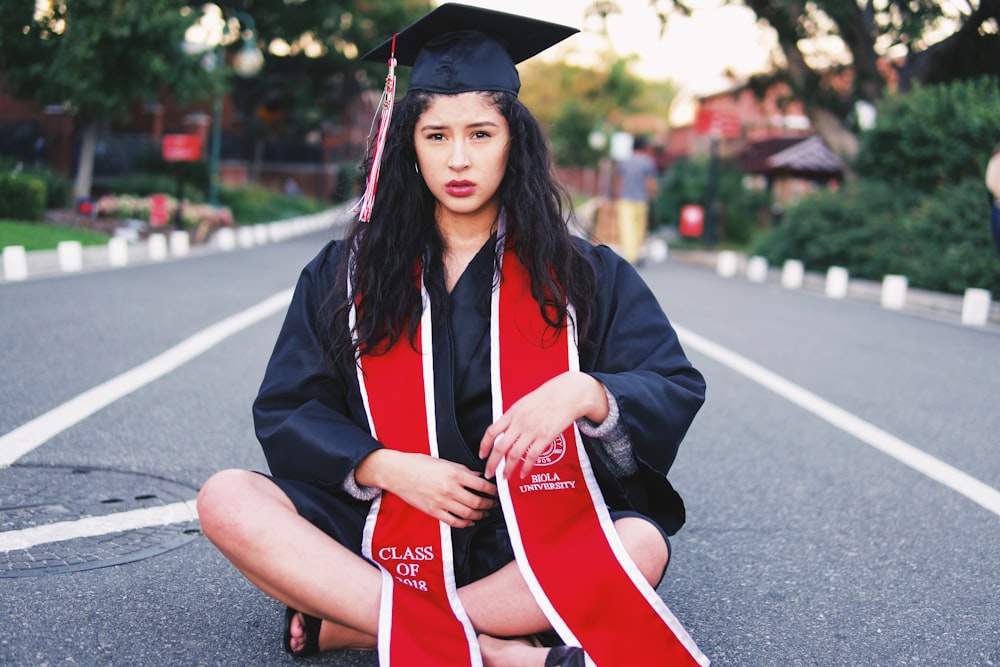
(22, 196)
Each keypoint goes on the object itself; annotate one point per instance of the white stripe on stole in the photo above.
(385, 599)
(608, 526)
(447, 556)
(385, 603)
(597, 500)
(513, 531)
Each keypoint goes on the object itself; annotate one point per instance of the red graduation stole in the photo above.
(564, 540)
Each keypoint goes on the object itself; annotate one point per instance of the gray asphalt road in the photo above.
(804, 544)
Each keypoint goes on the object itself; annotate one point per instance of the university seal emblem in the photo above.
(552, 453)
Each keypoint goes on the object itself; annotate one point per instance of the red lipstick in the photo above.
(460, 188)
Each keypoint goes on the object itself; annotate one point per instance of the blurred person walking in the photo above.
(635, 187)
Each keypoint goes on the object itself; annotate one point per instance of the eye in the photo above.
(480, 134)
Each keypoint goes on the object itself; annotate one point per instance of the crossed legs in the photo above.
(255, 525)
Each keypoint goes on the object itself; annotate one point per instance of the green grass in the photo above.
(36, 236)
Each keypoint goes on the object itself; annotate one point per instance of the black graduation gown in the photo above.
(311, 422)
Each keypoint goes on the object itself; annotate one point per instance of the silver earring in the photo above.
(416, 167)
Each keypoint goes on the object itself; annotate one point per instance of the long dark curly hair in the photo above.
(402, 234)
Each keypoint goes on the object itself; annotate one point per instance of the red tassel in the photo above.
(385, 109)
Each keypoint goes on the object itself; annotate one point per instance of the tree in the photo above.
(95, 57)
(571, 102)
(913, 42)
(312, 70)
(919, 206)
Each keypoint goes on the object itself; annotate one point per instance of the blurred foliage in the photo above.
(57, 186)
(861, 227)
(920, 207)
(251, 205)
(95, 57)
(571, 102)
(935, 135)
(22, 196)
(952, 245)
(930, 42)
(739, 212)
(308, 88)
(143, 184)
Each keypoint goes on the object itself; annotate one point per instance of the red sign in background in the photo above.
(717, 123)
(181, 147)
(692, 220)
(159, 211)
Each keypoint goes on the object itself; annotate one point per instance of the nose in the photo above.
(459, 158)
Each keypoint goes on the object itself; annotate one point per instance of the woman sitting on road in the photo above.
(468, 397)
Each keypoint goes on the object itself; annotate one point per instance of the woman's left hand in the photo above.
(533, 422)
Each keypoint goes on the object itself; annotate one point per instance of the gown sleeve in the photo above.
(305, 414)
(634, 351)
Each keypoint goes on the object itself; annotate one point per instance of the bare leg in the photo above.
(255, 526)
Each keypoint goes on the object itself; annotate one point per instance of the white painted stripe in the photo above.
(93, 526)
(922, 462)
(27, 437)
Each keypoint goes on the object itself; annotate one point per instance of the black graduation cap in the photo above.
(458, 48)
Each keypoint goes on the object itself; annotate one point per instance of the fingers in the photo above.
(518, 454)
(467, 509)
(492, 437)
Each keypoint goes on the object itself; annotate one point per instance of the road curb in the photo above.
(951, 307)
(18, 265)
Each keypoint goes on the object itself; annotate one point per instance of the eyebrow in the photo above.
(478, 124)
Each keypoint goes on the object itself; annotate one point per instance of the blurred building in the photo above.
(316, 165)
(766, 134)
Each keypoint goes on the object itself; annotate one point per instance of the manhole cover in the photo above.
(69, 519)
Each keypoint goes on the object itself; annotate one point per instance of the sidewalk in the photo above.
(169, 244)
(948, 307)
(175, 245)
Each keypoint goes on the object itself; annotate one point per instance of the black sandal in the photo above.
(565, 656)
(310, 624)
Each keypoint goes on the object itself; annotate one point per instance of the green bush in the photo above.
(861, 227)
(919, 207)
(940, 242)
(196, 174)
(22, 196)
(58, 189)
(739, 211)
(253, 204)
(933, 136)
(951, 246)
(143, 184)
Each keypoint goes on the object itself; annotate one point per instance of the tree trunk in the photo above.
(85, 166)
(838, 138)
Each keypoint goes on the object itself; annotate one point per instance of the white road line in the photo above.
(868, 433)
(27, 437)
(98, 525)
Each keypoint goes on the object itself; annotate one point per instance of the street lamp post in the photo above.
(210, 33)
(247, 63)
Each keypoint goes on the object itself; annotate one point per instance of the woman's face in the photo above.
(461, 143)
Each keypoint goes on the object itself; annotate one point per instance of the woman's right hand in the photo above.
(445, 490)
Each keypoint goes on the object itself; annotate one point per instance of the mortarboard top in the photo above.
(458, 48)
